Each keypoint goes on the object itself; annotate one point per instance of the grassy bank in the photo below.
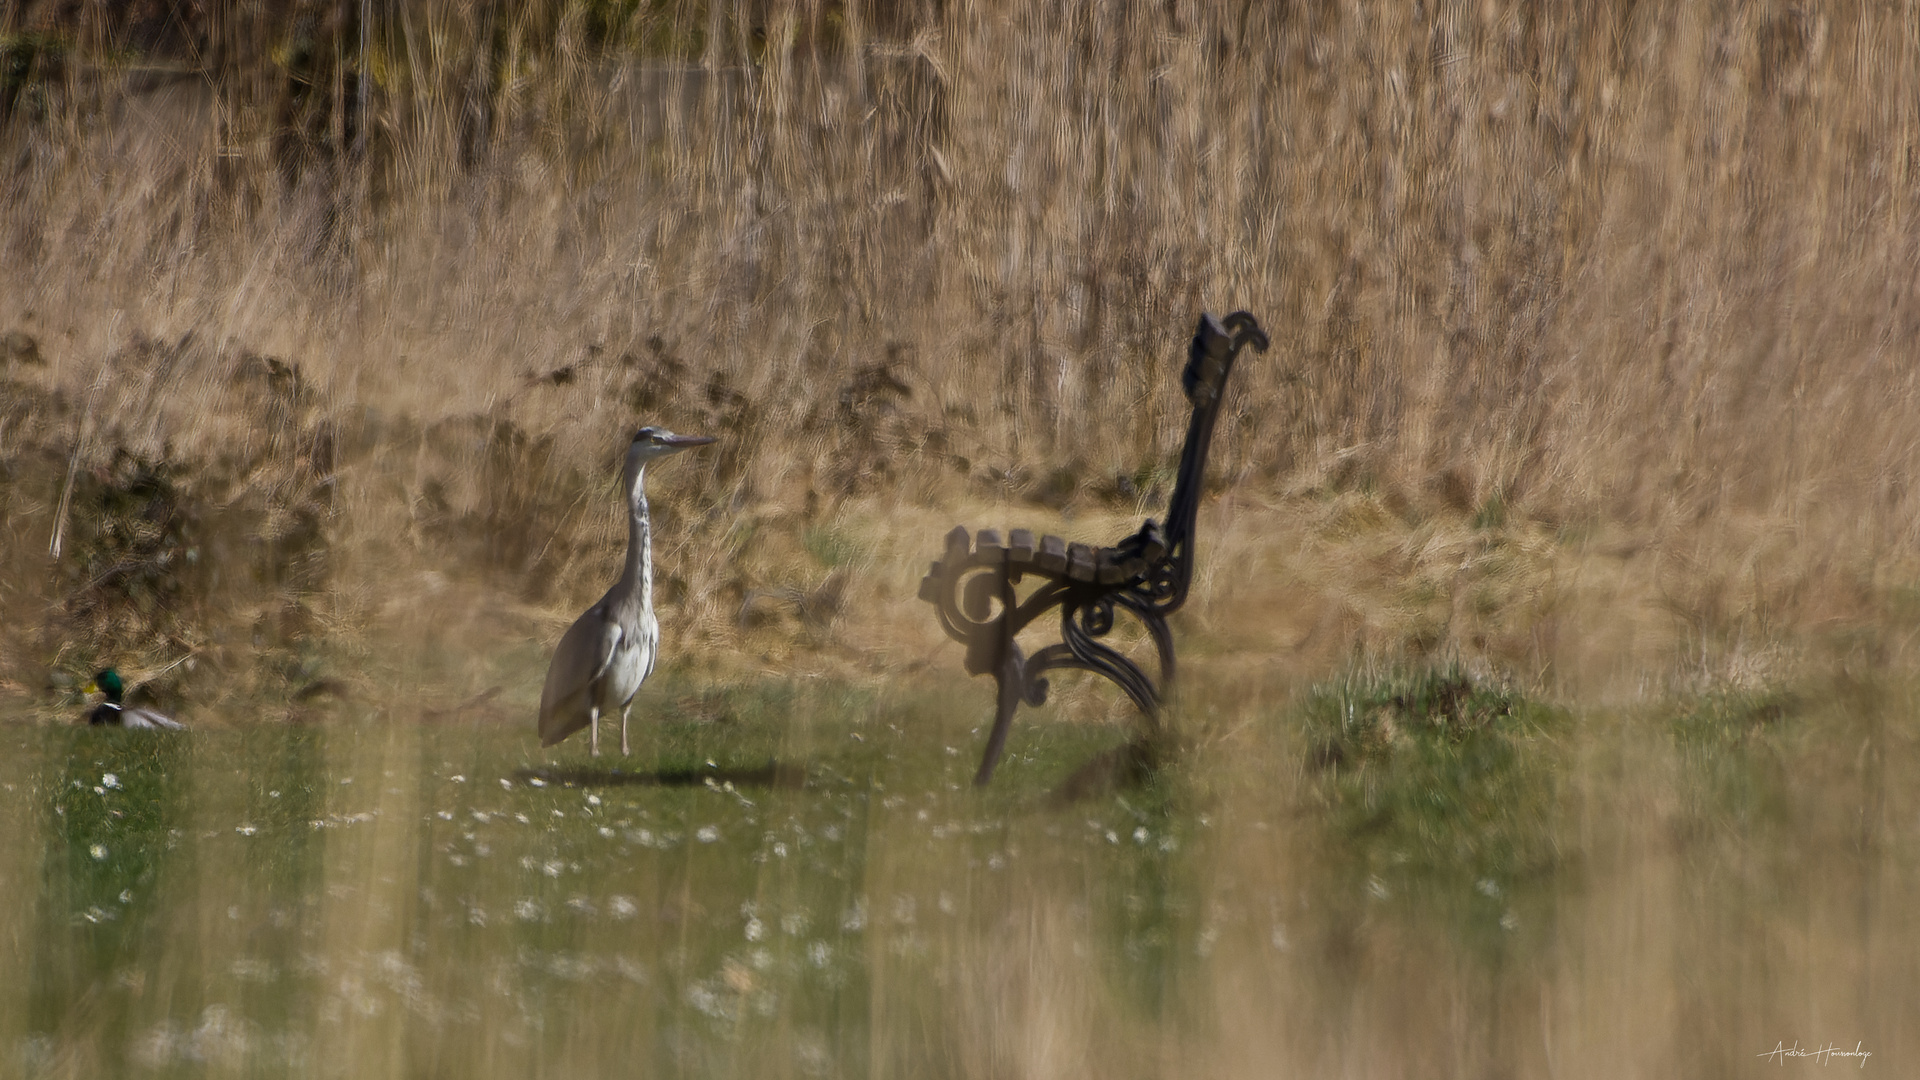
(1585, 321)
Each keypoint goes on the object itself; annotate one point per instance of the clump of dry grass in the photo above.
(1626, 285)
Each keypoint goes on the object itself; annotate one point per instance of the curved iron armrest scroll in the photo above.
(975, 586)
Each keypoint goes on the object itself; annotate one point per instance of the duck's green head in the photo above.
(108, 683)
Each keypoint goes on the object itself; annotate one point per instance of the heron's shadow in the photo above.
(1120, 769)
(773, 774)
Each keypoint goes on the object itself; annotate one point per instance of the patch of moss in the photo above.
(1728, 744)
(1492, 513)
(1438, 783)
(31, 66)
(832, 547)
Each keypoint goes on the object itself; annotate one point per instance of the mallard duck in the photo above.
(113, 711)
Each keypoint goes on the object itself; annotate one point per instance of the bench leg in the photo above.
(1011, 677)
(1163, 645)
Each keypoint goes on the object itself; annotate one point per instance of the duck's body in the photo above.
(610, 649)
(116, 712)
(128, 717)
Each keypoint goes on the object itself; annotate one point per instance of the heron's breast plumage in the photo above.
(632, 661)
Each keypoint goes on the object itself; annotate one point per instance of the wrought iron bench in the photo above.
(975, 585)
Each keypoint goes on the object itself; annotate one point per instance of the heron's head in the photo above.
(651, 442)
(106, 682)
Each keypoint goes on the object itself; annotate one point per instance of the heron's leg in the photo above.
(624, 711)
(593, 726)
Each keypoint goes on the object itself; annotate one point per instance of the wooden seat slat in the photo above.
(1053, 555)
(958, 544)
(987, 548)
(1080, 565)
(1020, 546)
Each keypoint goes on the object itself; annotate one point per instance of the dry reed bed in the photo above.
(1626, 290)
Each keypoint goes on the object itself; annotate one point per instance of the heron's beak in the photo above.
(682, 442)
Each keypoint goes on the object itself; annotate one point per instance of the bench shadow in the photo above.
(1116, 771)
(774, 774)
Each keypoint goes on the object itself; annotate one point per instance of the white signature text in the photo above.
(1824, 1054)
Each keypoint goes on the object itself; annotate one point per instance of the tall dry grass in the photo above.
(1633, 282)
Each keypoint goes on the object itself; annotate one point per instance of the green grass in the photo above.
(1406, 859)
(1733, 749)
(234, 878)
(1439, 785)
(832, 547)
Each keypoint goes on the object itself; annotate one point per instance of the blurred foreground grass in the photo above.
(1472, 885)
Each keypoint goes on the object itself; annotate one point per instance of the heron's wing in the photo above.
(579, 661)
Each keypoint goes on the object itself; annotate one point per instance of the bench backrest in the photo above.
(1216, 344)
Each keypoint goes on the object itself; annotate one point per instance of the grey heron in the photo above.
(115, 711)
(610, 650)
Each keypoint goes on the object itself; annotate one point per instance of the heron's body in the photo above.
(597, 667)
(610, 649)
(115, 712)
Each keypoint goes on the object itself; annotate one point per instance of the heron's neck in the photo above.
(637, 578)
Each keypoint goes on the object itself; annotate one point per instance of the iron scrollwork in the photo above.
(976, 586)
